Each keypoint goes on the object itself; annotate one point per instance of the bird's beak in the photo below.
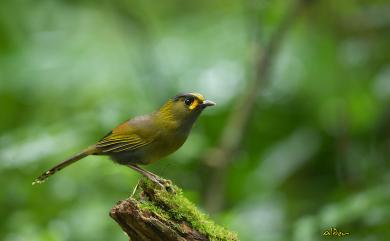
(208, 103)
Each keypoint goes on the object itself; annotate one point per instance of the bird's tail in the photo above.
(42, 178)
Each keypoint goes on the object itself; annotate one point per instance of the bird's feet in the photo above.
(163, 183)
(158, 182)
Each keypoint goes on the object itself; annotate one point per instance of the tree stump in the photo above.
(157, 213)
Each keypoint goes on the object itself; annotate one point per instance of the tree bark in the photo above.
(165, 214)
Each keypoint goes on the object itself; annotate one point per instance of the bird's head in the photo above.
(185, 107)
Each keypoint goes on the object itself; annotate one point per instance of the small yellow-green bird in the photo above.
(145, 139)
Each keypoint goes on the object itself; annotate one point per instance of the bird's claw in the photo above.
(159, 181)
(162, 183)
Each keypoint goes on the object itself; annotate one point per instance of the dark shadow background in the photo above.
(314, 153)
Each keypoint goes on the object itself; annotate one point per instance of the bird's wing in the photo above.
(115, 143)
(129, 136)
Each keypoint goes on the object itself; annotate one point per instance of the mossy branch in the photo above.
(164, 214)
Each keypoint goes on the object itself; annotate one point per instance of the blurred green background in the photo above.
(316, 151)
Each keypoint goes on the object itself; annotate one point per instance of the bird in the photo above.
(144, 139)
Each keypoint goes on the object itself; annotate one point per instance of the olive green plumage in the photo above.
(145, 139)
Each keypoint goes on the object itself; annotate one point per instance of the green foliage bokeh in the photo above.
(316, 151)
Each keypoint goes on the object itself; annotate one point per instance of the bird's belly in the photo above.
(127, 157)
(160, 149)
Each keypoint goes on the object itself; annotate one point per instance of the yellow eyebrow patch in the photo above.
(198, 96)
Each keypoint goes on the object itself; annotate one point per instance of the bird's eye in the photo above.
(188, 100)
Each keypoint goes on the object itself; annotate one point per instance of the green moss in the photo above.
(172, 205)
(147, 205)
